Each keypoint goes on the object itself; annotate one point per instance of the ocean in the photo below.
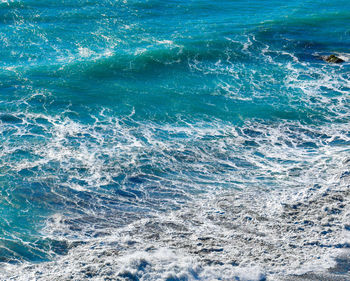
(174, 140)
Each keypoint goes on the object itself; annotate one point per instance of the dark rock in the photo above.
(333, 59)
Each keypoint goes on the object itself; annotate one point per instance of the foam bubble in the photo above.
(286, 215)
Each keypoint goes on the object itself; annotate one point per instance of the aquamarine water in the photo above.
(174, 140)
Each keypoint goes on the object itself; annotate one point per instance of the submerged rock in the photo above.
(333, 59)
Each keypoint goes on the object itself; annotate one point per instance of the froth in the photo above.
(268, 196)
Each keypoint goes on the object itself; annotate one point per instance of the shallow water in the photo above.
(174, 140)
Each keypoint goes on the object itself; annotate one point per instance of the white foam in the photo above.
(264, 191)
(221, 233)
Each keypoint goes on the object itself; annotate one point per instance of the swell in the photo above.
(244, 79)
(157, 54)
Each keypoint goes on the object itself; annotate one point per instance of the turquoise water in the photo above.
(125, 125)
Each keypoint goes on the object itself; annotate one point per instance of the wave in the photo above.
(95, 178)
(243, 79)
(251, 234)
(217, 151)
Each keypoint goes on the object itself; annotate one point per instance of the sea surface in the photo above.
(174, 140)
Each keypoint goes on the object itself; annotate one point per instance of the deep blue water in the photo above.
(115, 113)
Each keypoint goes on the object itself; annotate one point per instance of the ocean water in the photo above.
(174, 140)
